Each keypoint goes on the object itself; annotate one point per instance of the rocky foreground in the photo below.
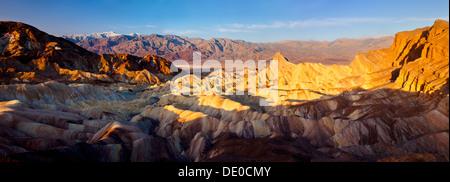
(387, 105)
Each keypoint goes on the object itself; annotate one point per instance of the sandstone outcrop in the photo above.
(422, 67)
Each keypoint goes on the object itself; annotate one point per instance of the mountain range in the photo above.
(172, 47)
(85, 37)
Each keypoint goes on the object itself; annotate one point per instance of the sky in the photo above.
(249, 20)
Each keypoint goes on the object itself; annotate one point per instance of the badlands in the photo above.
(60, 102)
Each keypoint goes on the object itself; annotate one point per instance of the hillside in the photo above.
(30, 55)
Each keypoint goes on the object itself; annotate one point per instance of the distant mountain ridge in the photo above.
(173, 47)
(85, 37)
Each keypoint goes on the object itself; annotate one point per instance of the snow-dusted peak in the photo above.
(133, 34)
(84, 37)
(104, 34)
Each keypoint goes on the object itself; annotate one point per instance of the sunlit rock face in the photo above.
(417, 61)
(387, 105)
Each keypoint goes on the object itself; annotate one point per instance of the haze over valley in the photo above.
(172, 47)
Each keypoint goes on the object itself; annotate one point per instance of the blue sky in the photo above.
(250, 20)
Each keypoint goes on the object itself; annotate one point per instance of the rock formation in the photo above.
(387, 105)
(416, 62)
(30, 55)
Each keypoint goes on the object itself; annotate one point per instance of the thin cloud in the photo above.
(415, 19)
(190, 32)
(236, 25)
(326, 22)
(151, 26)
(182, 32)
(329, 22)
(266, 26)
(168, 31)
(122, 26)
(233, 30)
